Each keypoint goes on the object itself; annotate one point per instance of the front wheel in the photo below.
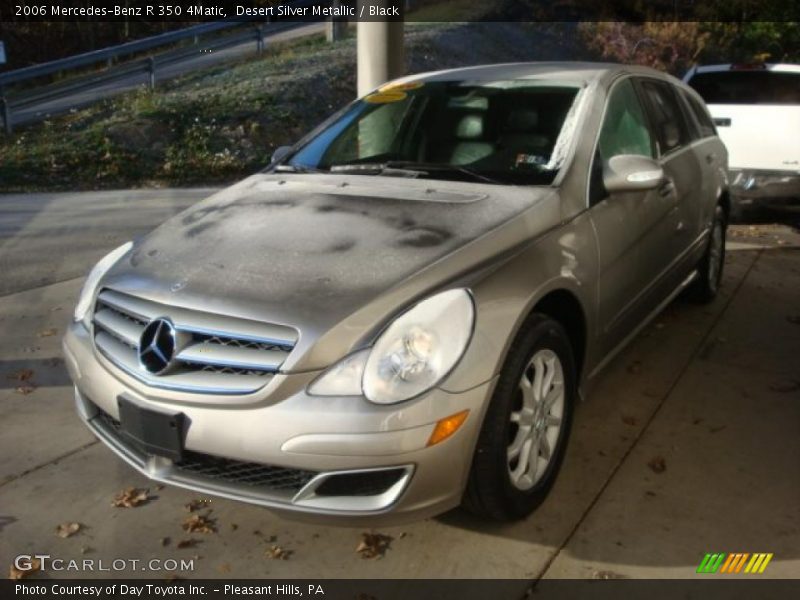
(706, 286)
(525, 431)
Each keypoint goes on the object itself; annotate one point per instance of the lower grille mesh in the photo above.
(244, 473)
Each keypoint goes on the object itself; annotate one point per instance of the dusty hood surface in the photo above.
(308, 250)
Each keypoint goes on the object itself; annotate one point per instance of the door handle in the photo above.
(666, 188)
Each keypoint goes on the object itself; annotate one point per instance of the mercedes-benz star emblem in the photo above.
(157, 346)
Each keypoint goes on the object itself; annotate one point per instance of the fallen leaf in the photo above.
(224, 568)
(657, 464)
(21, 375)
(649, 493)
(628, 420)
(25, 389)
(373, 545)
(277, 553)
(48, 332)
(234, 527)
(165, 541)
(66, 530)
(15, 573)
(190, 543)
(716, 429)
(195, 505)
(785, 387)
(86, 549)
(199, 524)
(607, 575)
(131, 498)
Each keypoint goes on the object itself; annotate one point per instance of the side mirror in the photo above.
(280, 153)
(631, 173)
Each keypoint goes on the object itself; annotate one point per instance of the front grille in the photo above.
(213, 353)
(198, 465)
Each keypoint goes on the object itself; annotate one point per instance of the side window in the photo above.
(671, 129)
(701, 115)
(624, 128)
(624, 131)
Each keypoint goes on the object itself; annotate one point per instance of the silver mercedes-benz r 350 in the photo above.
(399, 314)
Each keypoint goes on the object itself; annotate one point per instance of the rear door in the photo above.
(676, 220)
(710, 153)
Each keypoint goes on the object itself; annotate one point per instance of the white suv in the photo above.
(756, 109)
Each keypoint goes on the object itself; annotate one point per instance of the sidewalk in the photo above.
(728, 435)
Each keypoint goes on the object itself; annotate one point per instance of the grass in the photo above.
(209, 127)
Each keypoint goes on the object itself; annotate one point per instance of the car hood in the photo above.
(330, 255)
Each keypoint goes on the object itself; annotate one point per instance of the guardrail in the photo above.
(148, 65)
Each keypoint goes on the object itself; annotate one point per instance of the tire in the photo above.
(709, 269)
(492, 490)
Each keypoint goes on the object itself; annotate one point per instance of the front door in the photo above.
(624, 223)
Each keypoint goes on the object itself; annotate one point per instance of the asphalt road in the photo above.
(709, 393)
(203, 59)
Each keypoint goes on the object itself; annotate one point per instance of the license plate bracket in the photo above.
(155, 431)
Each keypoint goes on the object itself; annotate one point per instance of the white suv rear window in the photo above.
(747, 87)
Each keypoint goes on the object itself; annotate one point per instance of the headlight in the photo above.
(412, 355)
(97, 272)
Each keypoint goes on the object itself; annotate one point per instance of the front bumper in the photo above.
(340, 460)
(755, 190)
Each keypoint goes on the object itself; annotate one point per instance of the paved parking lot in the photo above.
(688, 444)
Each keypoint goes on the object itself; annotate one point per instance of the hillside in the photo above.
(218, 125)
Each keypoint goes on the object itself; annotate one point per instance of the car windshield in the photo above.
(747, 87)
(498, 132)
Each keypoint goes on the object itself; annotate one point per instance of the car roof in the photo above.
(562, 71)
(777, 67)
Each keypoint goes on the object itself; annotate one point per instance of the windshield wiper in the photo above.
(375, 169)
(409, 168)
(442, 168)
(287, 168)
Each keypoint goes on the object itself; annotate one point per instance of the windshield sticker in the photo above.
(402, 87)
(385, 97)
(530, 160)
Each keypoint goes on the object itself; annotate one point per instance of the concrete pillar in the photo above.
(336, 27)
(381, 54)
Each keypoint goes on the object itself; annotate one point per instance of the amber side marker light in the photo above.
(447, 427)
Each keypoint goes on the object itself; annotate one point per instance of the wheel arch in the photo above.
(563, 306)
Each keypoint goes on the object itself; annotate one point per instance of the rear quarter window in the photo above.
(702, 119)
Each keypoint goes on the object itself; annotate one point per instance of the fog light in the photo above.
(447, 427)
